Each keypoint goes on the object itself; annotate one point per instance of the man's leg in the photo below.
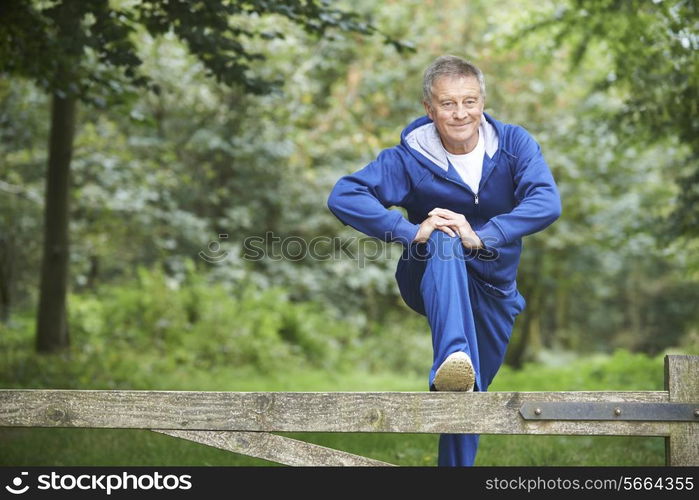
(494, 314)
(433, 280)
(445, 293)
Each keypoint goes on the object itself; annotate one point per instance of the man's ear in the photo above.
(428, 109)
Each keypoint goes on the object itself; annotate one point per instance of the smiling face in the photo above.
(456, 108)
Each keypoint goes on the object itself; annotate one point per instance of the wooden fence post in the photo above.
(682, 384)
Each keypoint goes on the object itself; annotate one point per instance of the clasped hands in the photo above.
(451, 223)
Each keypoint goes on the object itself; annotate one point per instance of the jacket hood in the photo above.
(421, 137)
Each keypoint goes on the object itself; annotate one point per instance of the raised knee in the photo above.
(438, 235)
(440, 244)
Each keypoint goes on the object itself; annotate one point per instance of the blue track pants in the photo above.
(464, 313)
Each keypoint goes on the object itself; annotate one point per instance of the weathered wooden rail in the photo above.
(243, 422)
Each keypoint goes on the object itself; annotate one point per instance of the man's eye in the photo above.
(447, 104)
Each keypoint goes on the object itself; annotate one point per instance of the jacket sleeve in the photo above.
(538, 200)
(362, 199)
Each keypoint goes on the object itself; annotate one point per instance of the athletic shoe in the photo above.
(455, 374)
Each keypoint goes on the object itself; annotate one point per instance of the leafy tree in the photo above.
(84, 51)
(205, 158)
(652, 52)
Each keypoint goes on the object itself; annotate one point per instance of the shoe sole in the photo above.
(455, 374)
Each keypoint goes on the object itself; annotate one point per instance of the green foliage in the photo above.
(156, 179)
(86, 51)
(651, 54)
(620, 371)
(81, 48)
(205, 325)
(125, 335)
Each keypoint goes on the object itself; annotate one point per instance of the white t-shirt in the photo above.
(470, 165)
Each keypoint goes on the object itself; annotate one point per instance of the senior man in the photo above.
(472, 188)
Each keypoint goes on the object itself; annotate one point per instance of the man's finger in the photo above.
(447, 227)
(443, 215)
(439, 219)
(447, 230)
(443, 212)
(443, 222)
(452, 221)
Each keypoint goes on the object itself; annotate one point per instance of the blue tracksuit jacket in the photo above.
(517, 195)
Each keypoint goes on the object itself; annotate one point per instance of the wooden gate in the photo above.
(244, 422)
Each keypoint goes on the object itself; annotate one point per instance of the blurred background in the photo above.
(164, 169)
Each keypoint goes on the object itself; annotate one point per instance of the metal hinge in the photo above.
(683, 412)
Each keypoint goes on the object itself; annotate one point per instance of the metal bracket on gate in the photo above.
(682, 412)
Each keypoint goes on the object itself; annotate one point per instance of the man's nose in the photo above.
(460, 112)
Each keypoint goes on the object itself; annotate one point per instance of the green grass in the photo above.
(622, 371)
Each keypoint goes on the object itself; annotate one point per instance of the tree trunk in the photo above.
(561, 332)
(52, 325)
(6, 276)
(93, 273)
(527, 346)
(635, 305)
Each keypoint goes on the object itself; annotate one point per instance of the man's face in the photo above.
(456, 108)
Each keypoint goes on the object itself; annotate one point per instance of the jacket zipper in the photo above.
(468, 188)
(464, 186)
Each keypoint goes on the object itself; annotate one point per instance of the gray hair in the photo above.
(449, 66)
